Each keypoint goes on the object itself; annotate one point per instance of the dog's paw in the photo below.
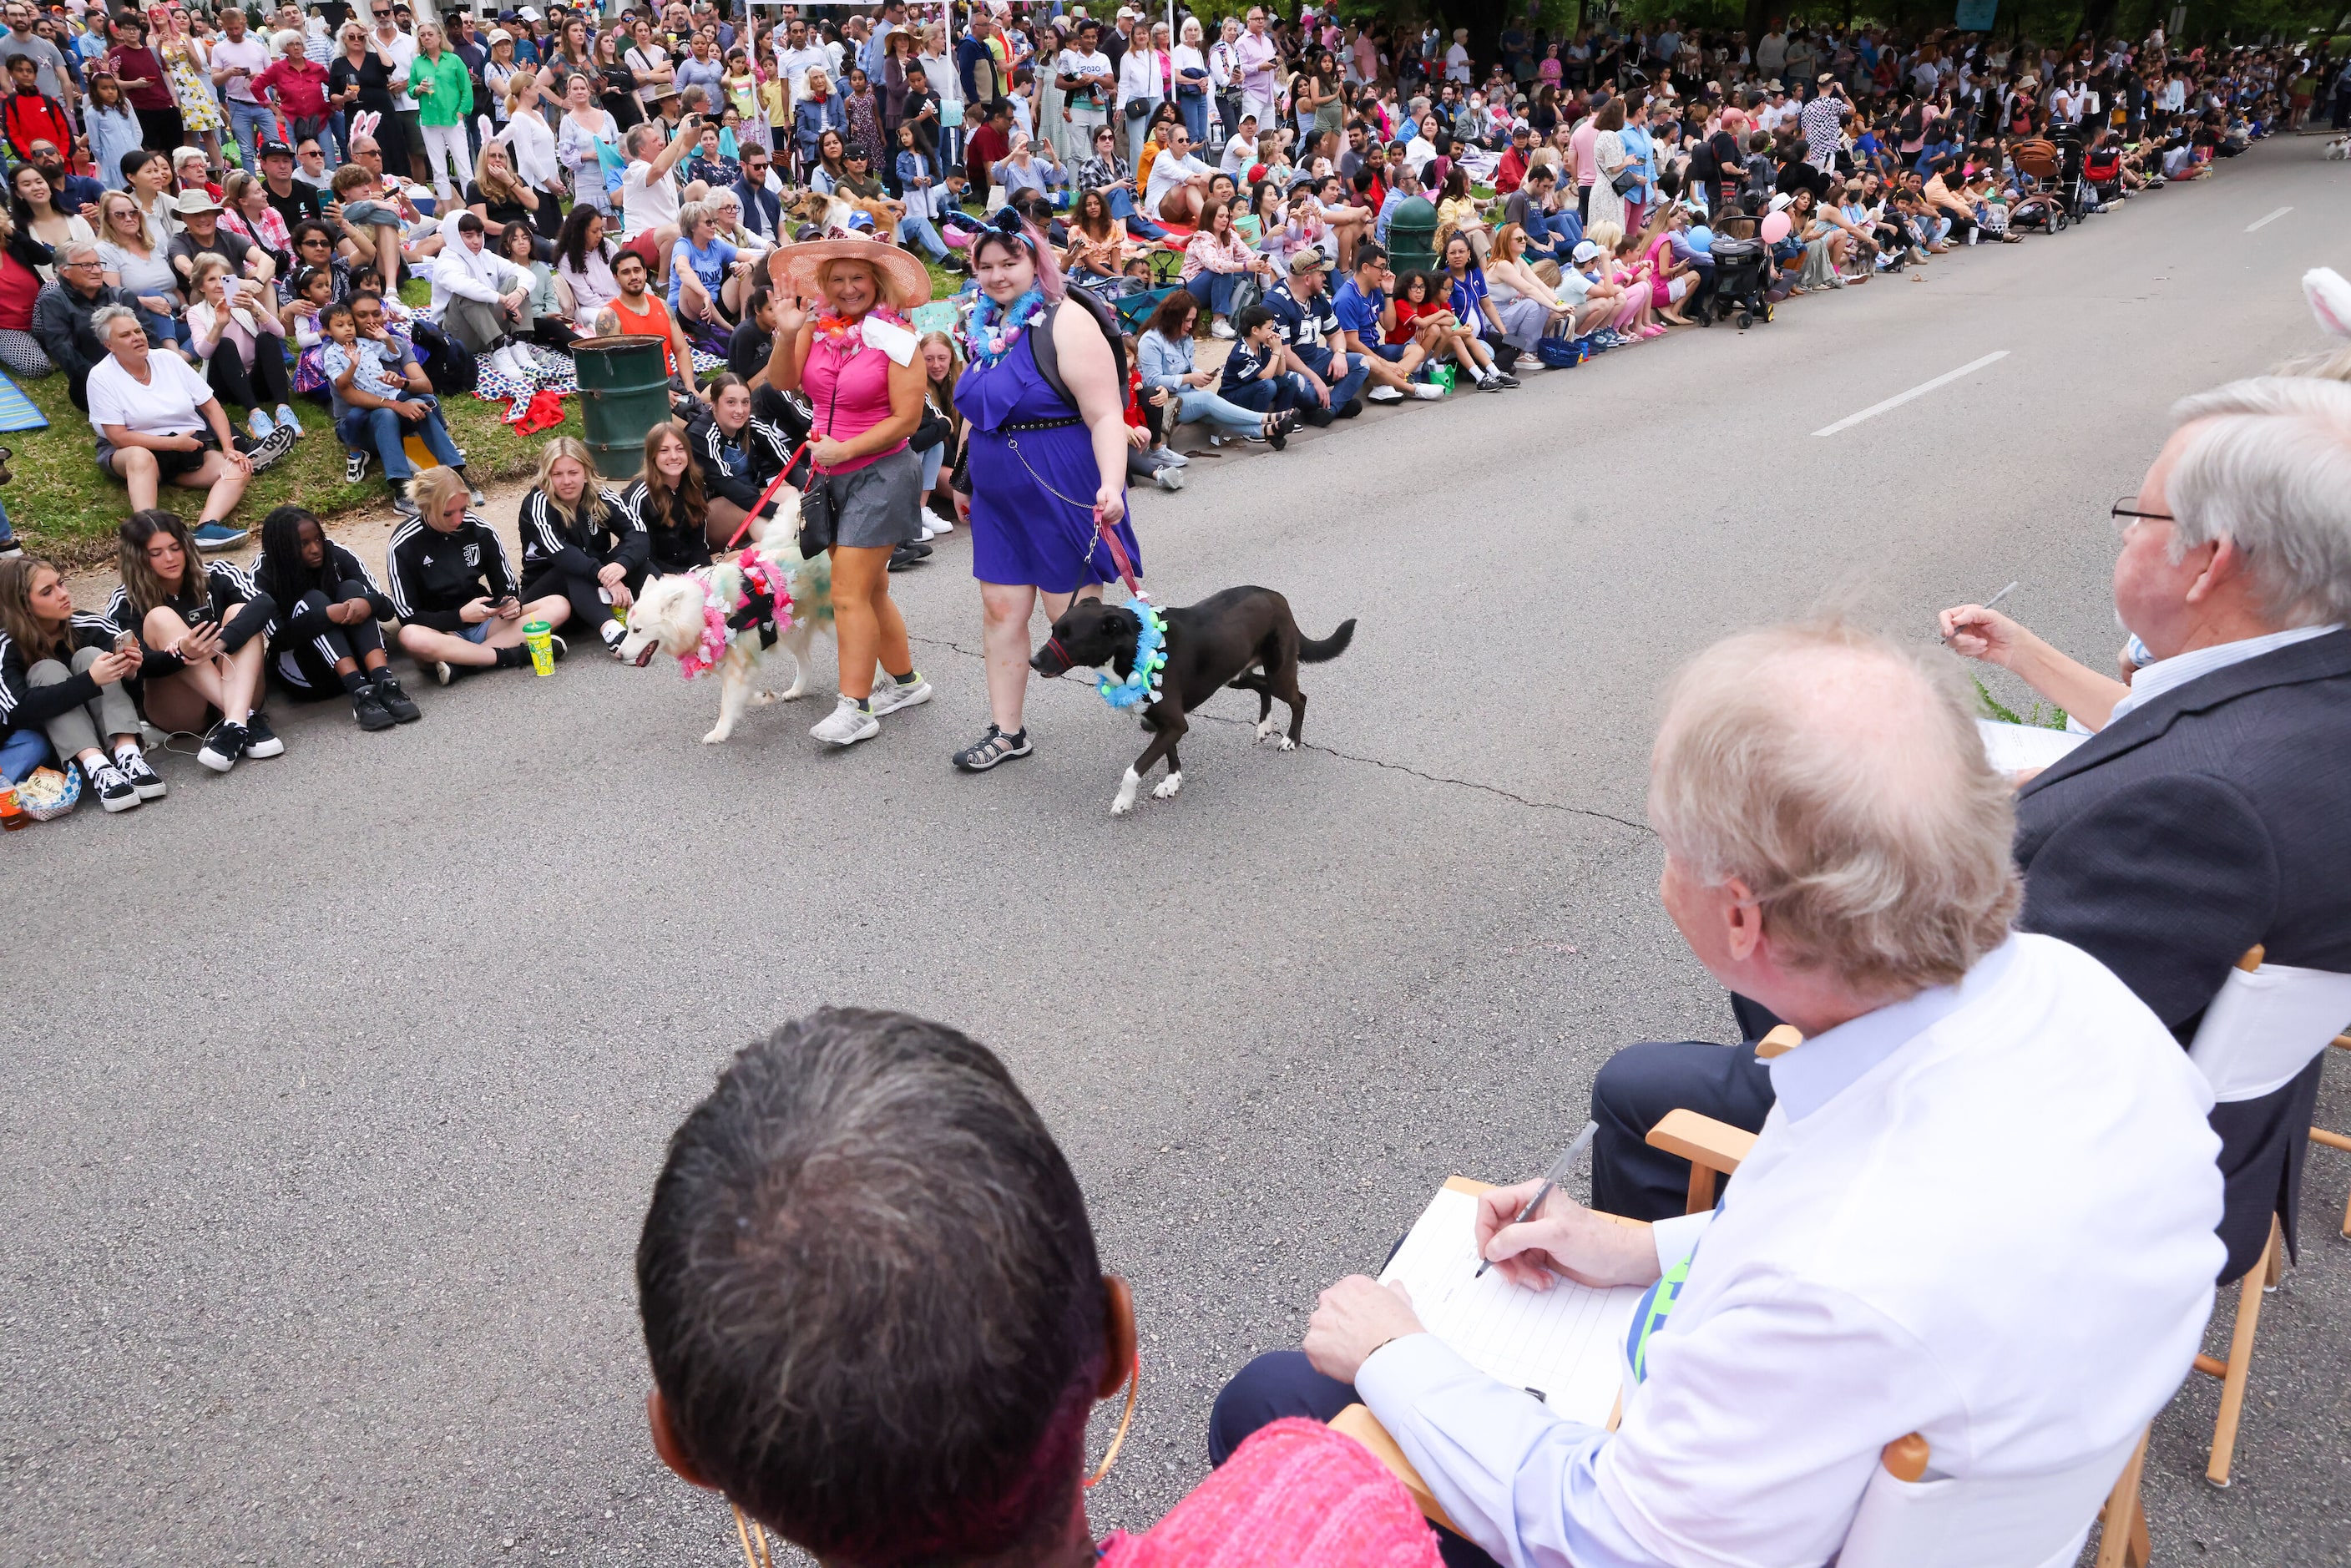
(717, 735)
(1286, 744)
(1124, 801)
(761, 699)
(792, 693)
(1265, 727)
(1167, 787)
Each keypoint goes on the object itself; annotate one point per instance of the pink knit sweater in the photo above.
(1296, 1495)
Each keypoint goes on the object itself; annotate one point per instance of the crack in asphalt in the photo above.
(1495, 789)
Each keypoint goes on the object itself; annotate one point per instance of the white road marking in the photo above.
(1921, 390)
(2265, 223)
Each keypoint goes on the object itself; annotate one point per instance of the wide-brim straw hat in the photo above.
(793, 269)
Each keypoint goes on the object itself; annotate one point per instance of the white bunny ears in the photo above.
(2330, 300)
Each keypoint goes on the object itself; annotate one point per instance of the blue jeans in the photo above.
(246, 119)
(1194, 108)
(1200, 404)
(1123, 207)
(21, 751)
(916, 227)
(162, 330)
(1284, 392)
(385, 431)
(1214, 290)
(1349, 382)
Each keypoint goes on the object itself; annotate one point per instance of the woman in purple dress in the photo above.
(1043, 464)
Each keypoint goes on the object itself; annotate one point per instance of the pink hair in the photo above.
(1049, 281)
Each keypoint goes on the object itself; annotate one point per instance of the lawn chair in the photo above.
(1134, 309)
(2337, 1139)
(1905, 1520)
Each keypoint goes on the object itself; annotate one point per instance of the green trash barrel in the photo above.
(623, 393)
(1412, 237)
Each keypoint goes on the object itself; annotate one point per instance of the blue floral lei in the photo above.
(1142, 683)
(994, 328)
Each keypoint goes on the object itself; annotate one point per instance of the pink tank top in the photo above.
(847, 381)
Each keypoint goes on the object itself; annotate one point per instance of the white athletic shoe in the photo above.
(889, 696)
(1383, 394)
(1220, 327)
(1168, 479)
(1428, 391)
(846, 725)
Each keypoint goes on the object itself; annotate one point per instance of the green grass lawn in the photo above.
(65, 510)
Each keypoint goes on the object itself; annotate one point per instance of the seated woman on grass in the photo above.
(325, 638)
(158, 421)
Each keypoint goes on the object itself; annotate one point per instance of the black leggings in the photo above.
(265, 385)
(252, 618)
(588, 612)
(554, 332)
(308, 646)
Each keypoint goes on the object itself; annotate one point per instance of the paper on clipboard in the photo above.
(1567, 1341)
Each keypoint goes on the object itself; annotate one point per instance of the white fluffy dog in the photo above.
(685, 616)
(2339, 149)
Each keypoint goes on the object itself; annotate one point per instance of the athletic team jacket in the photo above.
(432, 575)
(581, 547)
(679, 544)
(741, 468)
(23, 705)
(229, 588)
(341, 567)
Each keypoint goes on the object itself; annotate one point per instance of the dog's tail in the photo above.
(1310, 652)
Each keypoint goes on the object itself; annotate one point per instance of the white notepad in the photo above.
(1567, 1341)
(2014, 747)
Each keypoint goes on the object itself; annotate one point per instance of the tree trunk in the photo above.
(2098, 20)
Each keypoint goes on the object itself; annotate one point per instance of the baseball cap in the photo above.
(1310, 259)
(1585, 250)
(275, 149)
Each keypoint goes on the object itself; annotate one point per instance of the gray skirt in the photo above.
(880, 505)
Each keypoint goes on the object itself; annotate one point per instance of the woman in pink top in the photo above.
(858, 364)
(878, 1324)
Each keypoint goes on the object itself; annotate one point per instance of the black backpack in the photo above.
(1049, 359)
(447, 363)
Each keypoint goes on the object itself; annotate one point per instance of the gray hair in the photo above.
(693, 212)
(102, 319)
(79, 247)
(638, 134)
(1841, 778)
(2270, 469)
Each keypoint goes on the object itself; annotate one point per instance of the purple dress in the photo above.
(1022, 532)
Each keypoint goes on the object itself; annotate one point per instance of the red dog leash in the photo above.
(1118, 554)
(769, 494)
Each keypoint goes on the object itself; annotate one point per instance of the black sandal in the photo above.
(991, 748)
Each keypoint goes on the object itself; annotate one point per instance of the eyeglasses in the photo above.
(2126, 512)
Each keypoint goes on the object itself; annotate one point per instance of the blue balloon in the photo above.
(1701, 239)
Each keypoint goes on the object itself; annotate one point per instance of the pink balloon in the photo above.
(1775, 229)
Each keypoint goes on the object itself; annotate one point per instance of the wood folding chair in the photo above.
(2337, 1140)
(1716, 1149)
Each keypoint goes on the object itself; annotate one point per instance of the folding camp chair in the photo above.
(2337, 1140)
(1907, 1521)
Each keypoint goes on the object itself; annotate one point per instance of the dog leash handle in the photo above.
(1117, 553)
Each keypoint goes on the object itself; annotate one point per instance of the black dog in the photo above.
(1244, 637)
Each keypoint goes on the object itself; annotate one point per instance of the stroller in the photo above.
(2050, 177)
(1739, 271)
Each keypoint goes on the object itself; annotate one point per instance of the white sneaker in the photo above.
(1168, 479)
(1383, 394)
(1173, 458)
(1428, 391)
(889, 696)
(1220, 327)
(846, 725)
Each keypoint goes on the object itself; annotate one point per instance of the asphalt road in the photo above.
(340, 1083)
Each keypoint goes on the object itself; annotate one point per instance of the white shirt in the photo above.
(249, 55)
(1167, 171)
(648, 200)
(2153, 680)
(533, 146)
(399, 52)
(1142, 74)
(1074, 63)
(1457, 64)
(645, 61)
(1238, 155)
(166, 405)
(1983, 1214)
(794, 64)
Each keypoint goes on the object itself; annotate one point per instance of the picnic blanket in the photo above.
(16, 410)
(556, 373)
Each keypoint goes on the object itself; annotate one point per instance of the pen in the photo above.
(1551, 1178)
(1995, 599)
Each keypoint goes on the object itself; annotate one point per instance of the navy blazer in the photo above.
(2215, 817)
